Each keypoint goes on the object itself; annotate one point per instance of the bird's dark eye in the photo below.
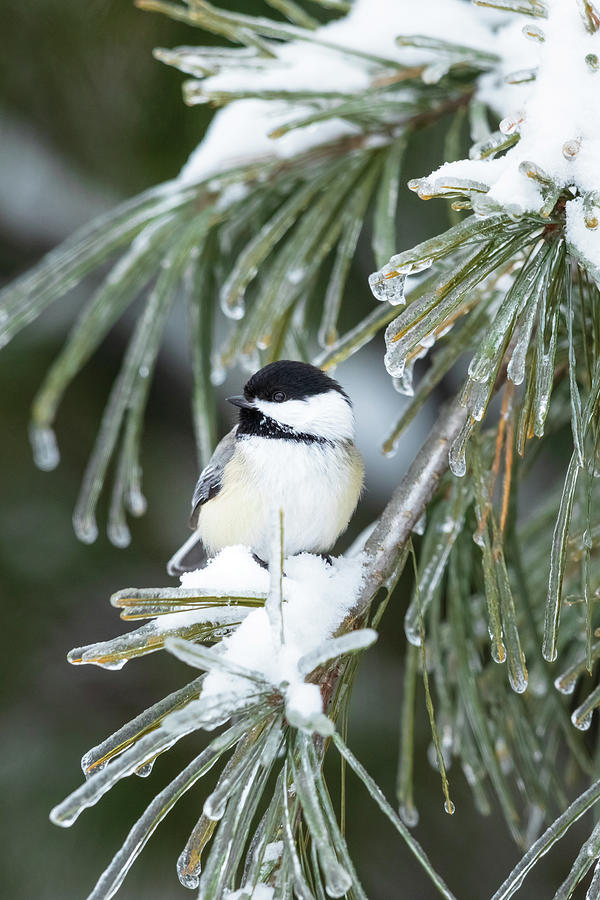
(279, 397)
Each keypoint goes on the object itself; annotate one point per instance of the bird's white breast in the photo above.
(317, 485)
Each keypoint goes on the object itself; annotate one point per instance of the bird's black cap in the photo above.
(290, 380)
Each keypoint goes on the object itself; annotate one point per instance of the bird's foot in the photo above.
(327, 558)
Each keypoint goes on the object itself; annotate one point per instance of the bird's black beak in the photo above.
(241, 402)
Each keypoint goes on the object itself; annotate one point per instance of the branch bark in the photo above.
(407, 504)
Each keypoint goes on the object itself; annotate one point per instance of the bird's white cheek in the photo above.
(295, 413)
(327, 415)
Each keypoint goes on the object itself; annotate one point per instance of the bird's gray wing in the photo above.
(192, 555)
(211, 478)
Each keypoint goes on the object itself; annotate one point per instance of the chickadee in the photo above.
(292, 449)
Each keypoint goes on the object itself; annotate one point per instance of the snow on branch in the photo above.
(375, 41)
(551, 109)
(316, 598)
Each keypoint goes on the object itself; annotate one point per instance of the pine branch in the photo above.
(407, 504)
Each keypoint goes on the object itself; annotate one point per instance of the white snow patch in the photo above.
(316, 598)
(273, 851)
(560, 127)
(233, 569)
(239, 133)
(260, 892)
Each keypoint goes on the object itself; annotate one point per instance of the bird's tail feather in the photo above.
(190, 556)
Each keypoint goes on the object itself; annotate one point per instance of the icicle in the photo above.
(409, 815)
(512, 123)
(582, 716)
(387, 285)
(46, 455)
(218, 372)
(338, 881)
(457, 454)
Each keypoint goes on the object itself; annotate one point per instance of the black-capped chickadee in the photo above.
(292, 449)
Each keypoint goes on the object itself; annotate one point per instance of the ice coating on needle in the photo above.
(316, 598)
(370, 27)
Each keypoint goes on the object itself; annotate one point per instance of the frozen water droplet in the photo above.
(235, 311)
(478, 538)
(218, 373)
(478, 399)
(144, 371)
(421, 265)
(512, 123)
(214, 807)
(118, 534)
(498, 651)
(145, 770)
(449, 807)
(404, 384)
(136, 502)
(189, 881)
(249, 360)
(534, 33)
(390, 448)
(387, 286)
(409, 815)
(581, 722)
(85, 528)
(186, 878)
(337, 880)
(565, 684)
(408, 268)
(412, 635)
(394, 362)
(516, 366)
(457, 458)
(480, 370)
(518, 680)
(111, 666)
(295, 276)
(87, 760)
(45, 449)
(419, 526)
(570, 149)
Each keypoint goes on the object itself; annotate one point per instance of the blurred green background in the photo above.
(87, 118)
